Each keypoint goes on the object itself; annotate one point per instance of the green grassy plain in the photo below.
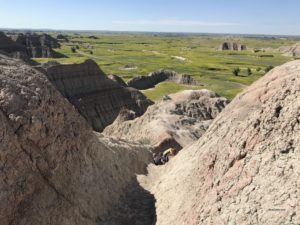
(147, 53)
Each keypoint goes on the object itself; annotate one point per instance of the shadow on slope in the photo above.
(136, 207)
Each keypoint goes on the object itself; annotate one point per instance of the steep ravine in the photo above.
(55, 170)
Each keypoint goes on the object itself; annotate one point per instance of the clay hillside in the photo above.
(98, 98)
(245, 168)
(54, 168)
(176, 121)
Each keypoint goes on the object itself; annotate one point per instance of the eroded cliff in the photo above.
(232, 46)
(98, 98)
(12, 48)
(29, 45)
(176, 121)
(38, 46)
(53, 168)
(146, 82)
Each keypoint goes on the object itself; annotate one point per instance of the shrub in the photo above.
(258, 69)
(73, 49)
(236, 71)
(144, 141)
(249, 71)
(268, 68)
(91, 52)
(77, 46)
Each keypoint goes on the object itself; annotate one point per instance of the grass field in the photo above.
(145, 53)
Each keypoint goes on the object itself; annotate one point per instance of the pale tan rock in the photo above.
(176, 121)
(292, 51)
(53, 168)
(245, 169)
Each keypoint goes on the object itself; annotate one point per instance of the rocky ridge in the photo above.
(11, 48)
(176, 121)
(98, 98)
(26, 46)
(292, 51)
(118, 80)
(245, 168)
(146, 82)
(53, 168)
(232, 46)
(38, 46)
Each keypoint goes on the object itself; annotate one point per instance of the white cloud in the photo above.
(174, 22)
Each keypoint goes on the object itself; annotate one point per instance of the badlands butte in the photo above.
(76, 145)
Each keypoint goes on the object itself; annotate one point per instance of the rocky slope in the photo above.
(38, 46)
(176, 121)
(98, 98)
(26, 46)
(245, 168)
(53, 168)
(228, 46)
(12, 48)
(146, 82)
(118, 80)
(292, 51)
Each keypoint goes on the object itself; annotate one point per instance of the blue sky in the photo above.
(216, 16)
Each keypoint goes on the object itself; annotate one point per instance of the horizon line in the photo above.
(136, 31)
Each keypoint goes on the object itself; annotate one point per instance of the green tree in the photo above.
(73, 49)
(268, 68)
(249, 71)
(236, 71)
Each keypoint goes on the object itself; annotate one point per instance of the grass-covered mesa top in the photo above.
(130, 55)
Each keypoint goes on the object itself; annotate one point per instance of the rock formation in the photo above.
(12, 48)
(245, 168)
(146, 82)
(228, 46)
(292, 51)
(38, 46)
(61, 37)
(93, 37)
(176, 121)
(53, 168)
(118, 80)
(95, 96)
